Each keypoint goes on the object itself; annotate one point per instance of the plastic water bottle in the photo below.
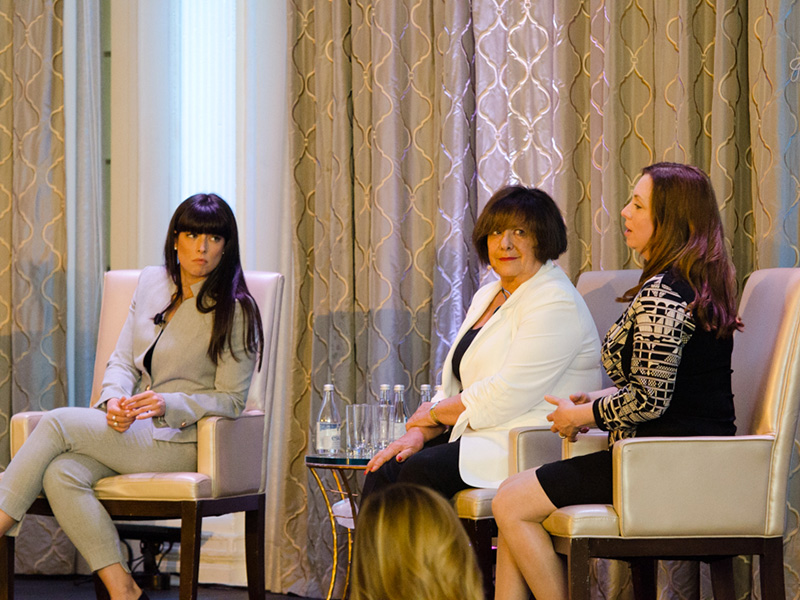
(329, 424)
(400, 412)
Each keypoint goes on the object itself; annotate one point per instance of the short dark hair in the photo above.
(534, 210)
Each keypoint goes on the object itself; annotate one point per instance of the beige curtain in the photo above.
(383, 270)
(32, 240)
(406, 116)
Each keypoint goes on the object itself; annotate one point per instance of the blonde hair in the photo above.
(410, 544)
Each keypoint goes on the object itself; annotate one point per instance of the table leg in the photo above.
(351, 498)
(332, 519)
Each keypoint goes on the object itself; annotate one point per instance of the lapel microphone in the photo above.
(159, 318)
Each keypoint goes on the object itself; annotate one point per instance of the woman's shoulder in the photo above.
(153, 274)
(555, 284)
(667, 285)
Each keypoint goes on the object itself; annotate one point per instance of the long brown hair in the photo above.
(688, 239)
(225, 285)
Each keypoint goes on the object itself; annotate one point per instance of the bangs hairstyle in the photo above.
(224, 287)
(410, 544)
(531, 209)
(688, 239)
(205, 217)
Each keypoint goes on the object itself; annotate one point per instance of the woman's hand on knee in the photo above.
(401, 448)
(117, 417)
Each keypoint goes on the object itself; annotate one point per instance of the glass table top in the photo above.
(339, 460)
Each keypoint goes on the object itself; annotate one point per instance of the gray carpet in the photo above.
(82, 588)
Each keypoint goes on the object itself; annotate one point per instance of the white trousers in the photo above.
(67, 453)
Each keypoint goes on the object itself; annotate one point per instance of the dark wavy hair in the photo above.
(225, 285)
(688, 240)
(533, 209)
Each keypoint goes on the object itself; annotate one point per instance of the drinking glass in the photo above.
(360, 425)
(384, 426)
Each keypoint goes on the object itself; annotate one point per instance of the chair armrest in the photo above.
(229, 451)
(531, 447)
(593, 440)
(696, 486)
(22, 424)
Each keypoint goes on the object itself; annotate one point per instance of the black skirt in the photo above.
(580, 480)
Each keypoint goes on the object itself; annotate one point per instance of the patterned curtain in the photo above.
(32, 237)
(383, 271)
(406, 116)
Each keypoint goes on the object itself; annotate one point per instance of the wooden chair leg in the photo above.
(6, 567)
(722, 578)
(191, 526)
(255, 539)
(771, 568)
(480, 533)
(578, 569)
(644, 575)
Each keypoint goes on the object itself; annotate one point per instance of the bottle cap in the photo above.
(385, 386)
(399, 388)
(424, 387)
(328, 387)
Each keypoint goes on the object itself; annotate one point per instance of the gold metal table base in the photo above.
(337, 468)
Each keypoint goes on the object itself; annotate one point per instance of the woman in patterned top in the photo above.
(669, 356)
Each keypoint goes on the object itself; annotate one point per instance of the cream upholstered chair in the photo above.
(706, 498)
(231, 453)
(600, 289)
(530, 447)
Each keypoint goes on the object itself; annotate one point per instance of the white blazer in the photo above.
(542, 340)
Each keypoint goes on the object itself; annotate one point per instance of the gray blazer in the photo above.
(182, 373)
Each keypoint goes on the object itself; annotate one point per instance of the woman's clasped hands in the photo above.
(122, 412)
(571, 416)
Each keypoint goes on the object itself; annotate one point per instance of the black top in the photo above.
(674, 378)
(461, 348)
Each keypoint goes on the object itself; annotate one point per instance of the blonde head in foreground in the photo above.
(410, 544)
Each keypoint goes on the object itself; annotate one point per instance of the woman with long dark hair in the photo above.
(669, 356)
(188, 349)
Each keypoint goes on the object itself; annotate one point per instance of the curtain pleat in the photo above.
(33, 240)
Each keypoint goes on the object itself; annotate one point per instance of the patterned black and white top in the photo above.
(673, 377)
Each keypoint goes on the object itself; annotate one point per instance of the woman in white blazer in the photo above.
(188, 349)
(526, 335)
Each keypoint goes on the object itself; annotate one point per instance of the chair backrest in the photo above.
(766, 375)
(600, 290)
(118, 288)
(766, 354)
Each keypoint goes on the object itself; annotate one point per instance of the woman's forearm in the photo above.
(449, 409)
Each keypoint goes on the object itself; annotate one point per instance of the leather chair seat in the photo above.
(474, 503)
(587, 520)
